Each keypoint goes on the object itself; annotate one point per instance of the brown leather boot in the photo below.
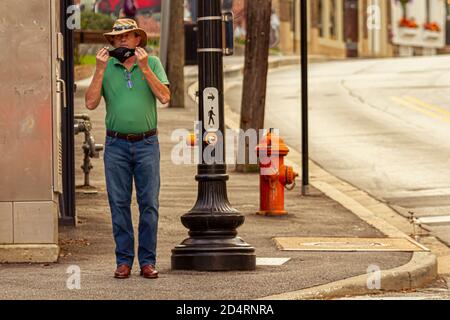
(122, 272)
(149, 272)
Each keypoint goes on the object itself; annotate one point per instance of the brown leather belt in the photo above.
(132, 137)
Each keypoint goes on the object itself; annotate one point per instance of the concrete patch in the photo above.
(347, 244)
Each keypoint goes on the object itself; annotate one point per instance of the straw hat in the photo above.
(123, 26)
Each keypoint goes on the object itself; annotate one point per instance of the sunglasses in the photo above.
(120, 28)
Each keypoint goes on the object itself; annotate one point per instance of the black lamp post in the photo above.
(213, 244)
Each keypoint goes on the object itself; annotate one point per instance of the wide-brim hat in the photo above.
(122, 26)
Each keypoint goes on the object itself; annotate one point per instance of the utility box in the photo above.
(31, 96)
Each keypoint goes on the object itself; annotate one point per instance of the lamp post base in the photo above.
(214, 254)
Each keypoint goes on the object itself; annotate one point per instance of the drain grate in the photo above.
(348, 244)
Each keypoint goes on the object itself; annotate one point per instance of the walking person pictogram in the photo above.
(211, 115)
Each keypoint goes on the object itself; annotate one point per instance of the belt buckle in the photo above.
(130, 136)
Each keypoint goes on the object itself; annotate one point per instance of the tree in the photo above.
(175, 58)
(255, 71)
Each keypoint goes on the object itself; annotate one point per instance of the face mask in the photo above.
(122, 53)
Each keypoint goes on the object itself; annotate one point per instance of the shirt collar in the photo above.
(117, 62)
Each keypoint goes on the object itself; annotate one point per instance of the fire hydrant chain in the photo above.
(290, 188)
(290, 177)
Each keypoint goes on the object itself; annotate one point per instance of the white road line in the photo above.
(271, 261)
(432, 220)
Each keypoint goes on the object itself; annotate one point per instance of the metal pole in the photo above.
(304, 89)
(67, 201)
(213, 244)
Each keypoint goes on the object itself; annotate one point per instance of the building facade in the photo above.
(351, 28)
(337, 28)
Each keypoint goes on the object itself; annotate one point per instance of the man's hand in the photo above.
(93, 93)
(102, 58)
(161, 91)
(142, 58)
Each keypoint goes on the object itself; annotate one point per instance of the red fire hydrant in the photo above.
(274, 175)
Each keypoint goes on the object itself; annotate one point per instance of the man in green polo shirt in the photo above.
(130, 82)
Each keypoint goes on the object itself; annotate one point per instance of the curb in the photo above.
(420, 271)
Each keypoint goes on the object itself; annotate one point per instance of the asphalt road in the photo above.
(383, 125)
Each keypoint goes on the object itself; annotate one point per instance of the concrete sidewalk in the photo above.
(306, 275)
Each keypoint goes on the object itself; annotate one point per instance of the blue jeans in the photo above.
(124, 161)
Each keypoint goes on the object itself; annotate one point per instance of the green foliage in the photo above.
(240, 41)
(88, 59)
(275, 51)
(153, 46)
(153, 43)
(96, 21)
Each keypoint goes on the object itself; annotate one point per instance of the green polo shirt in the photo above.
(130, 110)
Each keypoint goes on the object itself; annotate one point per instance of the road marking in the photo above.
(271, 261)
(432, 107)
(419, 109)
(431, 220)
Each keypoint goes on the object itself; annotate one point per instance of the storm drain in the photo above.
(348, 244)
